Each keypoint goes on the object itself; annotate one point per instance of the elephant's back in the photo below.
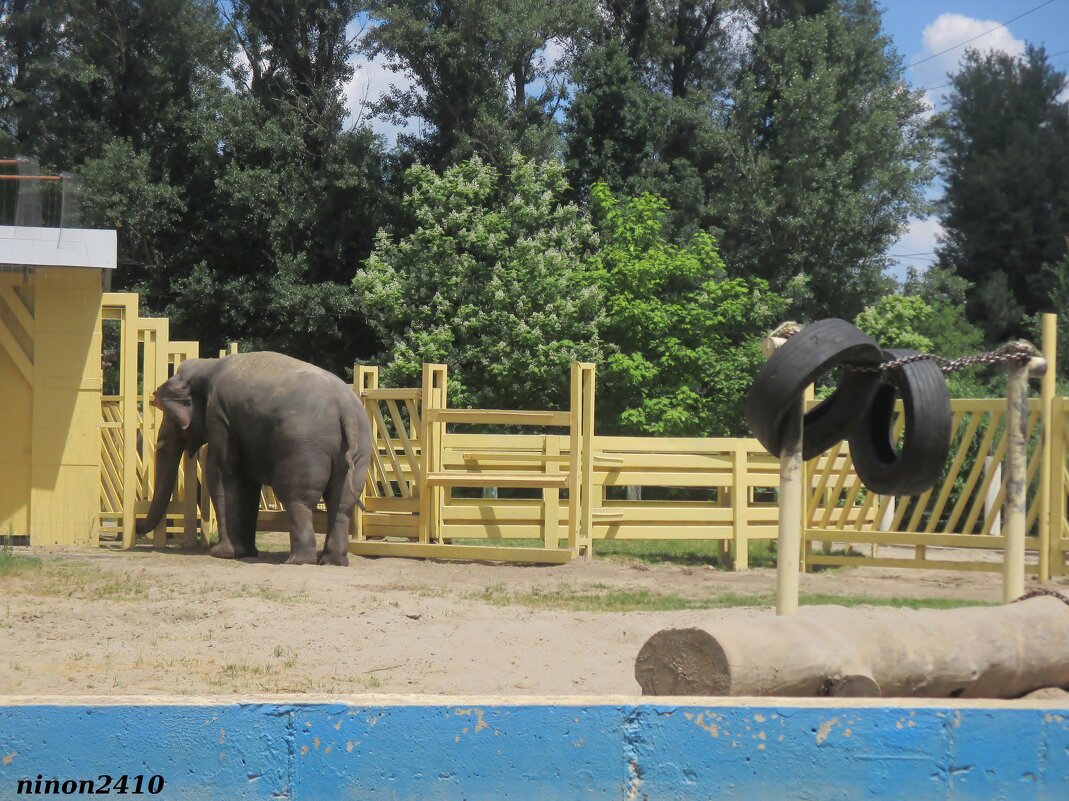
(272, 372)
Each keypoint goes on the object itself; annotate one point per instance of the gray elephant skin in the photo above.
(267, 419)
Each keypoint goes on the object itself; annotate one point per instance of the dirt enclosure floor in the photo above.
(146, 622)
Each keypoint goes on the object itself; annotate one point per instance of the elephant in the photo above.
(267, 419)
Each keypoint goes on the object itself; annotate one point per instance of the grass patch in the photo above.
(63, 578)
(677, 552)
(599, 599)
(12, 563)
(270, 594)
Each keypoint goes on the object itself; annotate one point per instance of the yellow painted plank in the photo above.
(969, 541)
(497, 417)
(411, 451)
(554, 556)
(919, 564)
(622, 478)
(620, 531)
(16, 353)
(22, 314)
(975, 473)
(392, 394)
(495, 480)
(391, 450)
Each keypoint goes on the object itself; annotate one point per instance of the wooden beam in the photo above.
(15, 351)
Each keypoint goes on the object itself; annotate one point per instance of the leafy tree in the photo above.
(1006, 203)
(483, 84)
(684, 336)
(825, 152)
(297, 196)
(31, 34)
(951, 333)
(648, 79)
(894, 319)
(491, 280)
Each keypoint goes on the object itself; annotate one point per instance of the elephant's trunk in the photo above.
(169, 446)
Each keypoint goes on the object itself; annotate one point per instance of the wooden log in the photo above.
(975, 652)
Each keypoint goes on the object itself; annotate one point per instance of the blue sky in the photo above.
(923, 28)
(921, 31)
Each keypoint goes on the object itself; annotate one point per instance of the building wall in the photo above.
(16, 409)
(481, 749)
(65, 479)
(50, 443)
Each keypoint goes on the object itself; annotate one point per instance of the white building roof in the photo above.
(57, 247)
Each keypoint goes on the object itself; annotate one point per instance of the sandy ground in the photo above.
(145, 622)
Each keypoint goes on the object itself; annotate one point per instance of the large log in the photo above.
(975, 652)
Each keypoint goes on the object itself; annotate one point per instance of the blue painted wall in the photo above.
(476, 752)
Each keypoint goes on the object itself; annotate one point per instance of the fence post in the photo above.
(791, 481)
(364, 378)
(740, 497)
(1013, 569)
(586, 497)
(1046, 415)
(128, 390)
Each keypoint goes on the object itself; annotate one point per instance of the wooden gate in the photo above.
(140, 356)
(418, 462)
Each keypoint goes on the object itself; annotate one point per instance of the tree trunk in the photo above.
(978, 652)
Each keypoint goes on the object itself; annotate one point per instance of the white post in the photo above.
(791, 480)
(1017, 474)
(789, 545)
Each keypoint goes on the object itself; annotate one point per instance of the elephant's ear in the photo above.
(173, 397)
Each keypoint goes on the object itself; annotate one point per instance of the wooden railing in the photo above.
(962, 512)
(432, 483)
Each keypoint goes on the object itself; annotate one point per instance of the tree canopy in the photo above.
(645, 185)
(1004, 141)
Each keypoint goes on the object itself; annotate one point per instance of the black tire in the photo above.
(926, 440)
(806, 356)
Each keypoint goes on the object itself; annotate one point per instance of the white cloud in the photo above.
(916, 247)
(371, 80)
(949, 30)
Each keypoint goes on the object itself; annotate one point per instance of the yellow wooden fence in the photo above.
(437, 488)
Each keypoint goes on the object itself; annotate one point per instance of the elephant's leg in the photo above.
(339, 512)
(299, 507)
(250, 509)
(225, 490)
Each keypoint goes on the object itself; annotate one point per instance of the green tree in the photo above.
(296, 198)
(951, 333)
(1005, 210)
(683, 335)
(825, 154)
(483, 84)
(490, 279)
(648, 93)
(894, 320)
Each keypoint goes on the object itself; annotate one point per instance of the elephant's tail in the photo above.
(353, 455)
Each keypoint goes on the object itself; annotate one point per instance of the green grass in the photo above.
(677, 552)
(601, 599)
(12, 563)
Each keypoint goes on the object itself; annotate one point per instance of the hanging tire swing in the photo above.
(861, 409)
(910, 470)
(815, 350)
